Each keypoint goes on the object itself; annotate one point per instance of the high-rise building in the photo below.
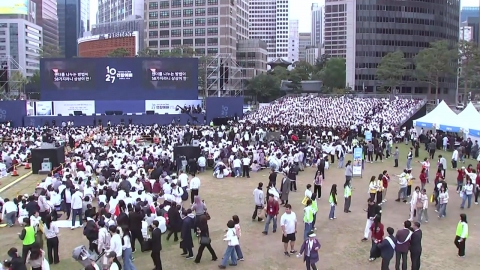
(47, 18)
(312, 54)
(269, 22)
(73, 22)
(205, 27)
(317, 25)
(20, 41)
(466, 33)
(304, 40)
(293, 41)
(119, 10)
(352, 31)
(468, 12)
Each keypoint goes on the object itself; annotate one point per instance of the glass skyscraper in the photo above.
(73, 22)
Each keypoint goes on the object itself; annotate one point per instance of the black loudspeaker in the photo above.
(55, 154)
(109, 112)
(150, 112)
(187, 151)
(118, 112)
(76, 113)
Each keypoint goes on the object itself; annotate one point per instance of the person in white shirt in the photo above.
(177, 192)
(127, 250)
(113, 262)
(202, 163)
(246, 161)
(115, 242)
(454, 159)
(77, 206)
(9, 212)
(237, 165)
(183, 181)
(288, 222)
(51, 231)
(231, 238)
(194, 187)
(467, 193)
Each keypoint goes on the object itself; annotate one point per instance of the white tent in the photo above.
(441, 115)
(472, 126)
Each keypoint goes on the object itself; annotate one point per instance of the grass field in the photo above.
(340, 239)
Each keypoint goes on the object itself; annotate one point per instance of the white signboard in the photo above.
(66, 108)
(169, 106)
(43, 108)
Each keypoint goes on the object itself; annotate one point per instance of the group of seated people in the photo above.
(343, 111)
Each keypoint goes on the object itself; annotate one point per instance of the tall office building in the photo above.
(20, 41)
(317, 25)
(243, 12)
(269, 22)
(304, 40)
(47, 18)
(363, 33)
(466, 33)
(73, 22)
(468, 12)
(293, 41)
(119, 10)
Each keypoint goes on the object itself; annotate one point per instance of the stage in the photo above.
(160, 119)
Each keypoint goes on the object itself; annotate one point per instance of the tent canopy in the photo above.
(471, 116)
(442, 117)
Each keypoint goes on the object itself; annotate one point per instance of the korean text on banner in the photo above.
(170, 106)
(357, 161)
(66, 108)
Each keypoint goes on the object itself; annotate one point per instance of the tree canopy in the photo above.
(391, 70)
(119, 52)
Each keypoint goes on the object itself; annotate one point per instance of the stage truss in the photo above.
(224, 77)
(12, 86)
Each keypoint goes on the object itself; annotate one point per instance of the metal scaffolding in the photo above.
(224, 77)
(12, 79)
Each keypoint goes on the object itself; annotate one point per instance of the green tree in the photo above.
(49, 51)
(35, 79)
(334, 74)
(264, 88)
(321, 62)
(119, 52)
(434, 63)
(295, 82)
(469, 56)
(303, 70)
(148, 53)
(280, 73)
(391, 70)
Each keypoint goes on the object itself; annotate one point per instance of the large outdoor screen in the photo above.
(118, 78)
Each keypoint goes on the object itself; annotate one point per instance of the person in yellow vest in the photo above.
(28, 238)
(379, 184)
(347, 193)
(461, 235)
(372, 188)
(409, 182)
(308, 218)
(332, 200)
(315, 210)
(211, 123)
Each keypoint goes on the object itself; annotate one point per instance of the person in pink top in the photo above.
(238, 232)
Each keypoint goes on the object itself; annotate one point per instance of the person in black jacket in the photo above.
(16, 262)
(136, 218)
(187, 242)
(91, 233)
(174, 222)
(416, 246)
(156, 245)
(292, 175)
(387, 248)
(272, 178)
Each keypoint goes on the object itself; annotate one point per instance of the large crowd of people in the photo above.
(126, 186)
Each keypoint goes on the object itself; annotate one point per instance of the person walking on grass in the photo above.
(333, 202)
(461, 235)
(272, 212)
(288, 222)
(347, 193)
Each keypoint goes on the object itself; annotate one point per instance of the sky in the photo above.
(298, 9)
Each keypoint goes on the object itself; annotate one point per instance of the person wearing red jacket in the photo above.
(385, 181)
(460, 177)
(272, 212)
(423, 178)
(477, 187)
(377, 230)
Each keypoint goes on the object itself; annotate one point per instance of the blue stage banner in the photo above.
(126, 106)
(119, 78)
(14, 111)
(224, 107)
